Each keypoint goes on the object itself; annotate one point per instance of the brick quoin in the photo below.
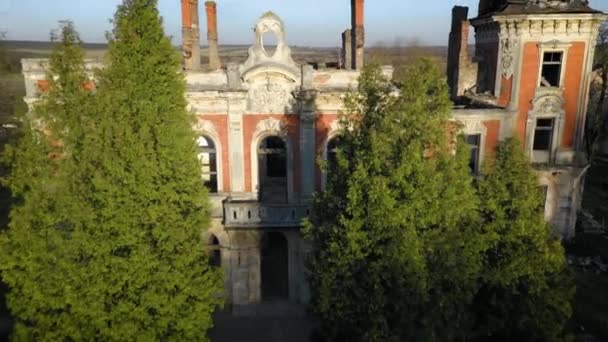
(292, 123)
(572, 91)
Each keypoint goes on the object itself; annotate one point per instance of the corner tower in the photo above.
(535, 57)
(530, 74)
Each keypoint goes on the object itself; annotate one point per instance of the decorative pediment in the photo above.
(548, 103)
(474, 127)
(259, 56)
(270, 92)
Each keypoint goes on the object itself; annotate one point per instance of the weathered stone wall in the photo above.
(462, 72)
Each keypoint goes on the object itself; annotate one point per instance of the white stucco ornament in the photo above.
(557, 3)
(258, 55)
(270, 78)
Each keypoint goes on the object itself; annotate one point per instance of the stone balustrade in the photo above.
(253, 214)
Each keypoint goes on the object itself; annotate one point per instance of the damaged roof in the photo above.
(512, 7)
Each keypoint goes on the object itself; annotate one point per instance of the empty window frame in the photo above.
(474, 142)
(274, 154)
(207, 154)
(543, 134)
(551, 69)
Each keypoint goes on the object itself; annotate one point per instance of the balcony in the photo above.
(253, 214)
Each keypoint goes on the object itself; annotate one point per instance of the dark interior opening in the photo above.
(215, 254)
(551, 69)
(275, 277)
(273, 169)
(474, 142)
(543, 134)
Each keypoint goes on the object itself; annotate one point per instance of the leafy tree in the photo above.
(396, 236)
(119, 251)
(527, 289)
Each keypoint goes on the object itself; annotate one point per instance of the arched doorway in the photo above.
(272, 164)
(275, 266)
(215, 254)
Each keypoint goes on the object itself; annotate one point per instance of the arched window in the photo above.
(215, 254)
(207, 154)
(332, 150)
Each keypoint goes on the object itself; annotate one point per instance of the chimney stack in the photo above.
(347, 50)
(214, 57)
(191, 47)
(462, 73)
(358, 34)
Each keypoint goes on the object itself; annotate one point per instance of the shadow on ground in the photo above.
(264, 322)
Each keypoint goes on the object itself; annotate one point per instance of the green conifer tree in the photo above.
(142, 177)
(127, 260)
(37, 250)
(527, 288)
(396, 236)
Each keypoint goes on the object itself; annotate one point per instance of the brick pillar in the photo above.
(358, 34)
(214, 57)
(347, 50)
(191, 35)
(458, 56)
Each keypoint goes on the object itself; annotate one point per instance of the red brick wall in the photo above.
(293, 127)
(506, 88)
(527, 86)
(492, 136)
(220, 123)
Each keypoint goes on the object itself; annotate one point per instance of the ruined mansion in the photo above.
(262, 124)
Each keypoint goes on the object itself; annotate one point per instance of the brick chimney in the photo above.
(214, 57)
(358, 34)
(462, 72)
(191, 48)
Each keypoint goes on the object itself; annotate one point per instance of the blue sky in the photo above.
(308, 22)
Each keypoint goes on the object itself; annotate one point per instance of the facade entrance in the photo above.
(275, 277)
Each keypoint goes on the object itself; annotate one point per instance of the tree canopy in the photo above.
(409, 246)
(105, 240)
(395, 232)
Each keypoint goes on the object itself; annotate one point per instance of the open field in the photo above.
(238, 53)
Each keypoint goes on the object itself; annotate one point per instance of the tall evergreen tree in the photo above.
(527, 288)
(141, 175)
(127, 258)
(396, 236)
(39, 249)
